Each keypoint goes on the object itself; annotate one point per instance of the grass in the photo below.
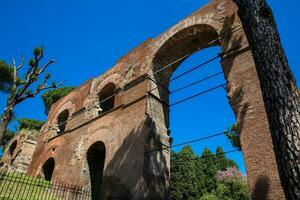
(18, 186)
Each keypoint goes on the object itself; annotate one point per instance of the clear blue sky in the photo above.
(87, 38)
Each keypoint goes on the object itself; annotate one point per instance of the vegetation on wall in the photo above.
(233, 136)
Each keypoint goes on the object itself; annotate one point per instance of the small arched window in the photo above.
(12, 148)
(107, 97)
(48, 168)
(62, 121)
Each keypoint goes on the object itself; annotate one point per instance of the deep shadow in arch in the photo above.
(107, 94)
(62, 121)
(48, 169)
(96, 158)
(12, 148)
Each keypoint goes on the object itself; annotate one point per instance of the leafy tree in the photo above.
(30, 124)
(201, 176)
(20, 88)
(210, 169)
(231, 185)
(279, 90)
(234, 137)
(52, 96)
(209, 196)
(221, 161)
(6, 138)
(195, 177)
(183, 175)
(6, 76)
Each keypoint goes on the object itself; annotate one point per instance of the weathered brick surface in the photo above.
(18, 153)
(139, 121)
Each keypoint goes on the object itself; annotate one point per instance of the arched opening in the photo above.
(62, 121)
(197, 117)
(176, 50)
(107, 97)
(96, 158)
(48, 168)
(12, 148)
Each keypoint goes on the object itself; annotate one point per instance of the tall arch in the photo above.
(175, 50)
(48, 168)
(96, 158)
(243, 90)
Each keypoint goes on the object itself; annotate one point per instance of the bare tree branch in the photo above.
(46, 65)
(22, 62)
(34, 71)
(37, 91)
(15, 74)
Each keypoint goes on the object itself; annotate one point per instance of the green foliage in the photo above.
(231, 185)
(8, 135)
(209, 196)
(23, 84)
(39, 51)
(30, 124)
(234, 137)
(25, 187)
(52, 96)
(236, 189)
(183, 175)
(31, 62)
(222, 161)
(195, 177)
(6, 76)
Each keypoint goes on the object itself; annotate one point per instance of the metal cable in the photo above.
(190, 141)
(196, 82)
(198, 94)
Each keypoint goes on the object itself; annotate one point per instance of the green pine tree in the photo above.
(183, 175)
(210, 169)
(222, 162)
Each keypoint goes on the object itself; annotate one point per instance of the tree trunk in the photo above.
(8, 114)
(279, 90)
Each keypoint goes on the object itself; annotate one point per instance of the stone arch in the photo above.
(101, 82)
(52, 124)
(62, 119)
(70, 102)
(97, 86)
(180, 46)
(107, 97)
(185, 41)
(243, 87)
(48, 169)
(95, 156)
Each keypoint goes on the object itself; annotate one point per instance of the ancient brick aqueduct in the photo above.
(107, 139)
